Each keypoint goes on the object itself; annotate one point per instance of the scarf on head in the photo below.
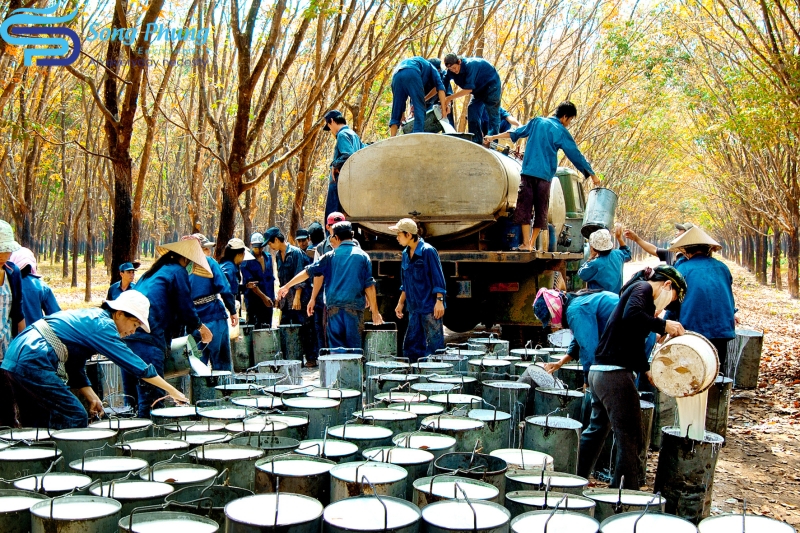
(553, 301)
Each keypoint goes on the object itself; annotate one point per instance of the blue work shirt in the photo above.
(290, 266)
(708, 306)
(85, 332)
(604, 272)
(233, 276)
(587, 315)
(421, 278)
(171, 305)
(347, 143)
(505, 125)
(251, 271)
(115, 290)
(347, 273)
(39, 299)
(14, 277)
(431, 78)
(476, 74)
(202, 287)
(546, 136)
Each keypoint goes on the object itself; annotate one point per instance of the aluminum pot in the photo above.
(434, 388)
(382, 383)
(266, 344)
(171, 415)
(478, 466)
(453, 400)
(239, 460)
(73, 443)
(260, 379)
(286, 513)
(491, 345)
(478, 516)
(341, 370)
(428, 490)
(106, 468)
(54, 484)
(152, 449)
(206, 500)
(371, 514)
(435, 443)
(15, 515)
(166, 522)
(456, 359)
(270, 444)
(375, 368)
(496, 432)
(521, 459)
(466, 431)
(489, 364)
(524, 501)
(28, 434)
(259, 424)
(652, 523)
(350, 479)
(529, 355)
(538, 479)
(737, 523)
(601, 205)
(612, 502)
(206, 437)
(415, 461)
(322, 413)
(547, 520)
(362, 435)
(133, 493)
(225, 414)
(338, 451)
(571, 374)
(298, 474)
(419, 409)
(393, 396)
(556, 436)
(179, 475)
(548, 400)
(298, 423)
(258, 402)
(204, 387)
(464, 384)
(237, 390)
(284, 391)
(427, 368)
(76, 514)
(350, 398)
(22, 460)
(393, 419)
(126, 425)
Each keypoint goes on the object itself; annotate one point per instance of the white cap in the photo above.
(257, 240)
(601, 240)
(405, 224)
(134, 303)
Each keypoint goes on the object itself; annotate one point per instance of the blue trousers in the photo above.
(425, 335)
(44, 400)
(332, 201)
(345, 327)
(219, 349)
(142, 392)
(488, 99)
(319, 327)
(407, 84)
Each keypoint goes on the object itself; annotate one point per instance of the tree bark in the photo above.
(776, 259)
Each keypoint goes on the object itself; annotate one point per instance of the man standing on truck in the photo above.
(347, 143)
(479, 79)
(422, 288)
(546, 136)
(414, 78)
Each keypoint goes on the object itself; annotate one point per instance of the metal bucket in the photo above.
(287, 513)
(152, 449)
(458, 515)
(266, 345)
(270, 444)
(107, 468)
(744, 358)
(206, 500)
(383, 383)
(347, 480)
(739, 523)
(377, 368)
(393, 419)
(126, 425)
(111, 380)
(171, 415)
(610, 502)
(54, 484)
(435, 443)
(434, 388)
(288, 391)
(665, 414)
(416, 462)
(547, 520)
(242, 349)
(548, 400)
(23, 460)
(380, 341)
(467, 431)
(297, 422)
(556, 436)
(176, 362)
(338, 451)
(601, 205)
(464, 384)
(237, 390)
(496, 428)
(362, 435)
(493, 347)
(291, 346)
(520, 368)
(322, 413)
(452, 401)
(133, 493)
(428, 490)
(370, 514)
(491, 365)
(239, 460)
(73, 443)
(76, 514)
(166, 522)
(224, 413)
(458, 360)
(179, 474)
(420, 409)
(647, 429)
(391, 397)
(571, 374)
(28, 434)
(427, 368)
(341, 370)
(525, 501)
(15, 516)
(491, 470)
(522, 459)
(718, 406)
(261, 379)
(538, 479)
(508, 396)
(203, 387)
(530, 354)
(685, 366)
(258, 402)
(298, 474)
(350, 400)
(290, 369)
(655, 522)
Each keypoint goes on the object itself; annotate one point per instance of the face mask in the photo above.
(663, 299)
(190, 268)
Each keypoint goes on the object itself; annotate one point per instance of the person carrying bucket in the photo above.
(603, 270)
(620, 354)
(413, 79)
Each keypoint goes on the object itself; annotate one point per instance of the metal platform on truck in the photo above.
(481, 257)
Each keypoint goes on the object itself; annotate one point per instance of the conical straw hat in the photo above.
(191, 250)
(694, 236)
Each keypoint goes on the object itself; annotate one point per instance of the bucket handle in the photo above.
(134, 405)
(744, 513)
(100, 449)
(316, 445)
(53, 500)
(36, 487)
(375, 493)
(563, 498)
(472, 508)
(158, 507)
(656, 496)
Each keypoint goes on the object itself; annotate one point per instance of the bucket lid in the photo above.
(180, 473)
(736, 523)
(260, 510)
(424, 440)
(367, 513)
(488, 415)
(557, 422)
(76, 508)
(258, 402)
(226, 413)
(359, 432)
(337, 394)
(108, 464)
(309, 402)
(458, 515)
(84, 434)
(53, 482)
(375, 472)
(626, 497)
(227, 452)
(25, 453)
(519, 458)
(534, 521)
(385, 414)
(397, 455)
(167, 522)
(122, 423)
(332, 448)
(623, 523)
(445, 487)
(154, 444)
(451, 423)
(133, 489)
(423, 409)
(295, 465)
(12, 501)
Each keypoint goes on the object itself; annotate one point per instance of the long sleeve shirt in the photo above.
(289, 266)
(587, 316)
(431, 78)
(605, 272)
(546, 136)
(84, 332)
(218, 284)
(115, 290)
(252, 271)
(708, 308)
(421, 278)
(623, 340)
(476, 75)
(234, 277)
(14, 280)
(347, 143)
(39, 299)
(347, 273)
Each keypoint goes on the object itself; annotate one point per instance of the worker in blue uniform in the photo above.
(39, 299)
(212, 297)
(448, 89)
(347, 143)
(478, 79)
(166, 285)
(422, 291)
(320, 315)
(234, 254)
(346, 275)
(546, 136)
(127, 275)
(12, 319)
(670, 258)
(507, 121)
(48, 359)
(308, 333)
(414, 78)
(603, 270)
(259, 282)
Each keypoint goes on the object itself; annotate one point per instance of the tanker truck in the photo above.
(462, 196)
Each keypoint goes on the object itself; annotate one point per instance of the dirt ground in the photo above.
(761, 461)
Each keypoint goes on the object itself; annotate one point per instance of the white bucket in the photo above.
(685, 365)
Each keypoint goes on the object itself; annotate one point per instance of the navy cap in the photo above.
(541, 311)
(330, 115)
(302, 233)
(127, 267)
(271, 233)
(343, 229)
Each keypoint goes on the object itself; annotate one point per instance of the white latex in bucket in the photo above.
(685, 366)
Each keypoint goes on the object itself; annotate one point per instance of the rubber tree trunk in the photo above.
(792, 257)
(776, 259)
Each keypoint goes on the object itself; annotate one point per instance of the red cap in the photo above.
(335, 217)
